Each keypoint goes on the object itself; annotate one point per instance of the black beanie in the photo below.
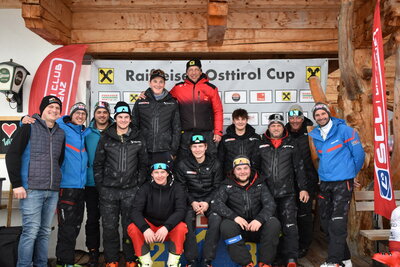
(121, 107)
(193, 62)
(47, 100)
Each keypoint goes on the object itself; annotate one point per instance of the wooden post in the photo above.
(395, 159)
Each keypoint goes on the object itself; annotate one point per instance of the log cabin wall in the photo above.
(237, 29)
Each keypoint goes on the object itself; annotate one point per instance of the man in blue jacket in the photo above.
(98, 124)
(341, 157)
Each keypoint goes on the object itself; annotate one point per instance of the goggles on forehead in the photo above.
(197, 138)
(295, 112)
(241, 161)
(157, 72)
(121, 109)
(159, 166)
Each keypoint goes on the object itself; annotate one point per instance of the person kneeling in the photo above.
(157, 215)
(247, 208)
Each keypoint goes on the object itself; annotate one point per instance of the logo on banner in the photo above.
(286, 96)
(60, 78)
(106, 76)
(133, 97)
(385, 188)
(313, 71)
(235, 97)
(260, 96)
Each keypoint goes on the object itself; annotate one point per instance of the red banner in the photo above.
(384, 199)
(58, 75)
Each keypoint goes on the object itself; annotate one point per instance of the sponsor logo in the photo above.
(230, 139)
(385, 187)
(313, 71)
(337, 140)
(144, 103)
(4, 75)
(287, 146)
(235, 97)
(106, 76)
(191, 172)
(266, 145)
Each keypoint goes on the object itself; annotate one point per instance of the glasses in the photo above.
(241, 161)
(80, 113)
(158, 166)
(122, 109)
(295, 112)
(197, 138)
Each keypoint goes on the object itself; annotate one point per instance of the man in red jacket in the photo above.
(200, 108)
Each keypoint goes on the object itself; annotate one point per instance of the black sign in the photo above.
(8, 128)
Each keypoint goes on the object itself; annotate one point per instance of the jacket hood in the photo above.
(112, 132)
(250, 131)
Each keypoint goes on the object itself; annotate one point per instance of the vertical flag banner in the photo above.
(58, 75)
(384, 200)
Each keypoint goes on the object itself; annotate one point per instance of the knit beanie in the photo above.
(121, 107)
(318, 106)
(241, 160)
(78, 106)
(193, 62)
(296, 111)
(276, 118)
(102, 104)
(47, 100)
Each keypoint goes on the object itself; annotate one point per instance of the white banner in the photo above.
(262, 87)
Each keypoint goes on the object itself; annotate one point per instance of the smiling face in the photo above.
(157, 85)
(321, 117)
(242, 173)
(240, 123)
(198, 150)
(78, 117)
(160, 176)
(295, 122)
(122, 120)
(194, 73)
(51, 113)
(276, 130)
(101, 116)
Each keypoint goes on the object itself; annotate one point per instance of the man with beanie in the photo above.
(157, 118)
(282, 166)
(33, 162)
(157, 215)
(341, 157)
(201, 175)
(297, 128)
(240, 139)
(247, 209)
(98, 125)
(119, 169)
(200, 108)
(70, 206)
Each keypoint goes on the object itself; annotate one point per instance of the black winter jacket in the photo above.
(302, 140)
(233, 145)
(250, 202)
(159, 122)
(162, 205)
(282, 166)
(120, 161)
(200, 180)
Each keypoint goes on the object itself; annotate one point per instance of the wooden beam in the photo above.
(217, 18)
(395, 166)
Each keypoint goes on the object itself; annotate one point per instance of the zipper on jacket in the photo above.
(194, 107)
(123, 158)
(155, 127)
(275, 166)
(51, 158)
(247, 203)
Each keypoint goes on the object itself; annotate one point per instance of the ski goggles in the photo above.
(197, 139)
(241, 161)
(122, 109)
(159, 166)
(295, 112)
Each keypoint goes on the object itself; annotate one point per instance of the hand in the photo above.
(196, 207)
(28, 120)
(142, 95)
(356, 183)
(149, 236)
(203, 207)
(217, 138)
(19, 192)
(254, 226)
(303, 196)
(242, 222)
(161, 234)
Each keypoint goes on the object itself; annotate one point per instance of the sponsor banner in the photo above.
(259, 86)
(58, 75)
(384, 200)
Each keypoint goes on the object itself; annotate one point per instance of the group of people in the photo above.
(159, 166)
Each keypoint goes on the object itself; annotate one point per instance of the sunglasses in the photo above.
(293, 113)
(158, 166)
(197, 138)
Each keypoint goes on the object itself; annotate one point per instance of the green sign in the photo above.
(4, 75)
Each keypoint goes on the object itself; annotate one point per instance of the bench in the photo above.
(365, 202)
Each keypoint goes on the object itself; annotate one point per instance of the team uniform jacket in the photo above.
(201, 180)
(199, 104)
(159, 122)
(120, 161)
(341, 155)
(282, 166)
(159, 204)
(233, 145)
(91, 140)
(75, 165)
(301, 138)
(253, 201)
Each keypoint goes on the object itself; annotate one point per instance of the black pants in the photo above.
(211, 239)
(267, 236)
(305, 223)
(286, 211)
(70, 209)
(334, 202)
(92, 226)
(114, 203)
(185, 143)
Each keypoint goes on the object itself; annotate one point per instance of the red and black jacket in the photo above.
(200, 106)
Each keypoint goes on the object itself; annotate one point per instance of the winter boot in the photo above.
(173, 260)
